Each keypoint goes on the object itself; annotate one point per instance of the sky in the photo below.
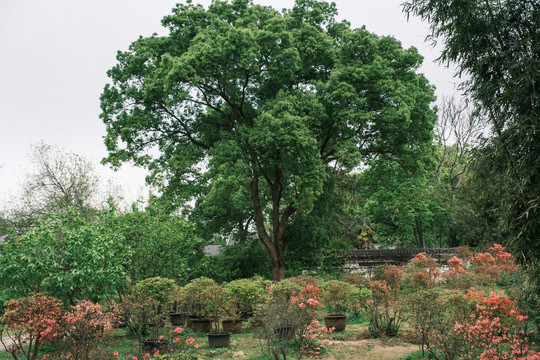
(54, 56)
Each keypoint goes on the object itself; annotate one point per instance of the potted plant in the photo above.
(339, 298)
(145, 311)
(245, 294)
(193, 302)
(177, 315)
(232, 320)
(217, 303)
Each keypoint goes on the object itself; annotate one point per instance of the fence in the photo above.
(365, 260)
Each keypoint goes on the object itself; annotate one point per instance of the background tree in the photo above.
(66, 256)
(262, 105)
(497, 44)
(156, 243)
(59, 181)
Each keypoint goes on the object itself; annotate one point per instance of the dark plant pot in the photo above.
(285, 332)
(152, 345)
(337, 321)
(189, 319)
(177, 318)
(233, 326)
(218, 340)
(156, 324)
(204, 325)
(245, 315)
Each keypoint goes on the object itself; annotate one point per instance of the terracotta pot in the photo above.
(233, 326)
(337, 321)
(218, 340)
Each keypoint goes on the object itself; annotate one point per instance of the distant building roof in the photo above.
(212, 250)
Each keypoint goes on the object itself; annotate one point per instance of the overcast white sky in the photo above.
(54, 56)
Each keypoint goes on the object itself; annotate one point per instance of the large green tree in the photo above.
(249, 110)
(496, 43)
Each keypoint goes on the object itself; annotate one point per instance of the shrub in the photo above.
(490, 265)
(421, 273)
(311, 343)
(342, 297)
(495, 330)
(84, 326)
(160, 289)
(357, 280)
(30, 323)
(247, 293)
(384, 310)
(450, 307)
(217, 301)
(423, 313)
(389, 273)
(288, 311)
(190, 297)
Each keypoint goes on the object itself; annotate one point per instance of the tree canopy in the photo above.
(249, 110)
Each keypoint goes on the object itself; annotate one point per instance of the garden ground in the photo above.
(351, 344)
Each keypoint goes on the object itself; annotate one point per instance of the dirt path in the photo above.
(368, 349)
(354, 344)
(6, 342)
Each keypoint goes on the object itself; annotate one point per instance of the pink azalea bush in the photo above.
(496, 330)
(32, 321)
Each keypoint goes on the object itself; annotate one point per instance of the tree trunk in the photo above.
(275, 245)
(420, 231)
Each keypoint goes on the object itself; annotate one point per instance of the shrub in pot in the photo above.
(145, 310)
(191, 296)
(246, 294)
(287, 312)
(340, 298)
(216, 300)
(177, 315)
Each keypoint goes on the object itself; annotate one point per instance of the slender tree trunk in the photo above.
(419, 230)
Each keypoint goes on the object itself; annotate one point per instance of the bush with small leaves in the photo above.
(31, 322)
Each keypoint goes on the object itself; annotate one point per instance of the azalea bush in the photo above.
(491, 265)
(31, 322)
(385, 311)
(287, 313)
(421, 273)
(389, 273)
(217, 304)
(84, 327)
(138, 315)
(423, 314)
(356, 279)
(496, 330)
(314, 340)
(448, 308)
